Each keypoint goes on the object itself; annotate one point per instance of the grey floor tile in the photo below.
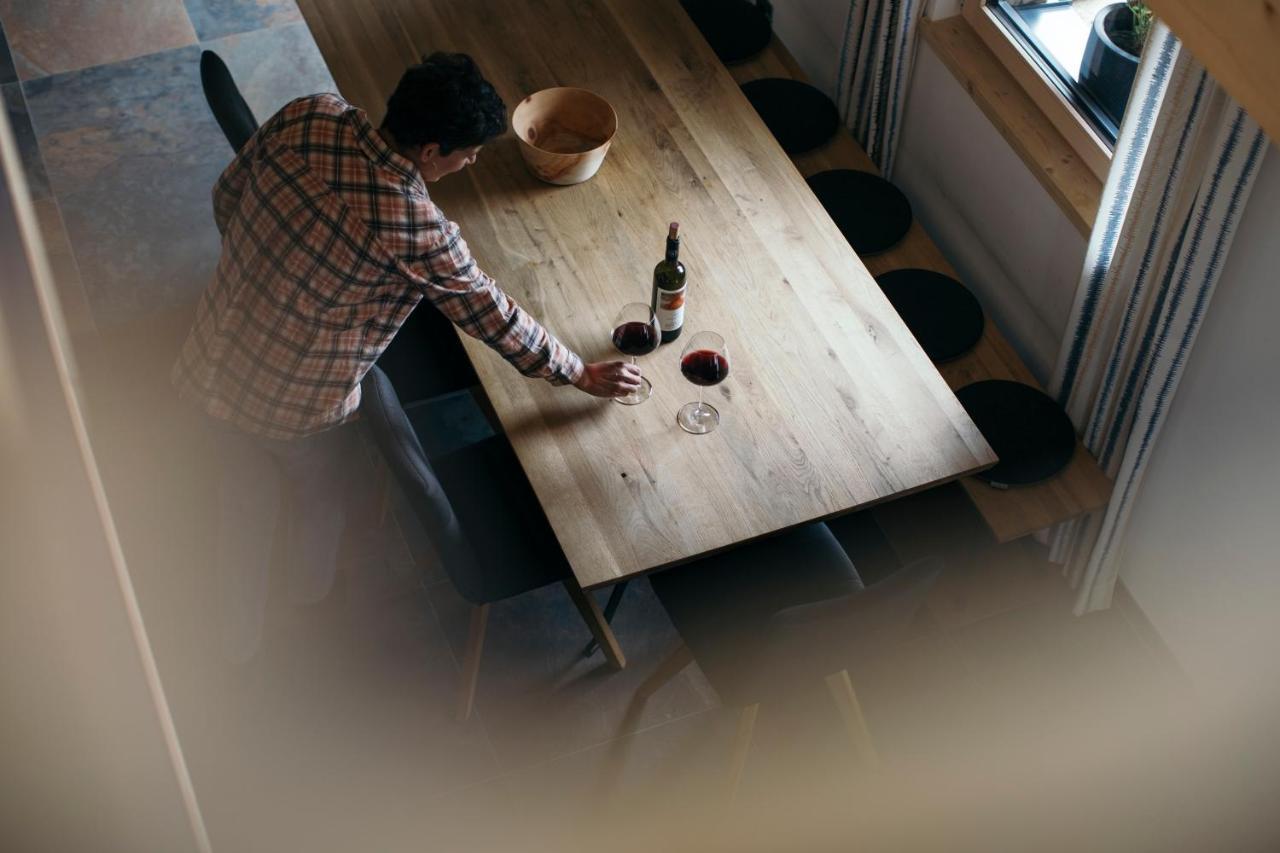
(132, 154)
(539, 699)
(91, 122)
(273, 66)
(216, 18)
(145, 241)
(54, 36)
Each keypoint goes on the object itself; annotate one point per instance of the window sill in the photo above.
(1046, 152)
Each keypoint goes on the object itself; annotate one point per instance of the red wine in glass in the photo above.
(636, 333)
(635, 338)
(704, 362)
(704, 367)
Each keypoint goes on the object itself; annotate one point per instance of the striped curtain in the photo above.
(1182, 172)
(875, 67)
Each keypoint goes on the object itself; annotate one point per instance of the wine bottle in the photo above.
(669, 288)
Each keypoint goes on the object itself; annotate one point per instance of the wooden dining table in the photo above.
(830, 405)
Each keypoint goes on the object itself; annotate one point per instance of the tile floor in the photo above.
(106, 105)
(55, 36)
(341, 736)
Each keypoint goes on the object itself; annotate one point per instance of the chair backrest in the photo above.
(840, 632)
(394, 435)
(425, 358)
(225, 101)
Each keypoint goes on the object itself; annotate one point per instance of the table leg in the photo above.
(610, 608)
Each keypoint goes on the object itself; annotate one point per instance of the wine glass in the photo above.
(704, 362)
(636, 332)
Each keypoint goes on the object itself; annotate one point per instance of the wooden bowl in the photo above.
(564, 133)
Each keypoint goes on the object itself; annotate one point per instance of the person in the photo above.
(329, 240)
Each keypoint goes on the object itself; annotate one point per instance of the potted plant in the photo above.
(1111, 54)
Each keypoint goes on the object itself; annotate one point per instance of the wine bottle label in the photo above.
(671, 309)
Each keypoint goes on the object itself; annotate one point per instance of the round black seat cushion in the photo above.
(944, 316)
(799, 116)
(872, 213)
(1026, 428)
(736, 29)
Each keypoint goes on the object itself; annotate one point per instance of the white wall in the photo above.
(813, 31)
(1010, 242)
(1203, 552)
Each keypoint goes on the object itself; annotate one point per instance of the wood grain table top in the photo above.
(830, 404)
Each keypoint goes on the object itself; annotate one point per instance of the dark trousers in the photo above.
(292, 492)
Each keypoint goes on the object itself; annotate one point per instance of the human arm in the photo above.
(472, 300)
(609, 378)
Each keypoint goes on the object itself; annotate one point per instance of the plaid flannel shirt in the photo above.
(329, 241)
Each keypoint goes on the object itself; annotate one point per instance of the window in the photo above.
(1045, 44)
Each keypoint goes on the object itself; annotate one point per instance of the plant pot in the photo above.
(1107, 70)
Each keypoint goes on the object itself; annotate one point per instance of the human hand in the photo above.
(609, 379)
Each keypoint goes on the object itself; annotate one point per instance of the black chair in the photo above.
(481, 516)
(225, 101)
(736, 29)
(425, 358)
(764, 619)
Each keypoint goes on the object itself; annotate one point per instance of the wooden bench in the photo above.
(1012, 513)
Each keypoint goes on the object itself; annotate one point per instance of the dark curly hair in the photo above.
(445, 100)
